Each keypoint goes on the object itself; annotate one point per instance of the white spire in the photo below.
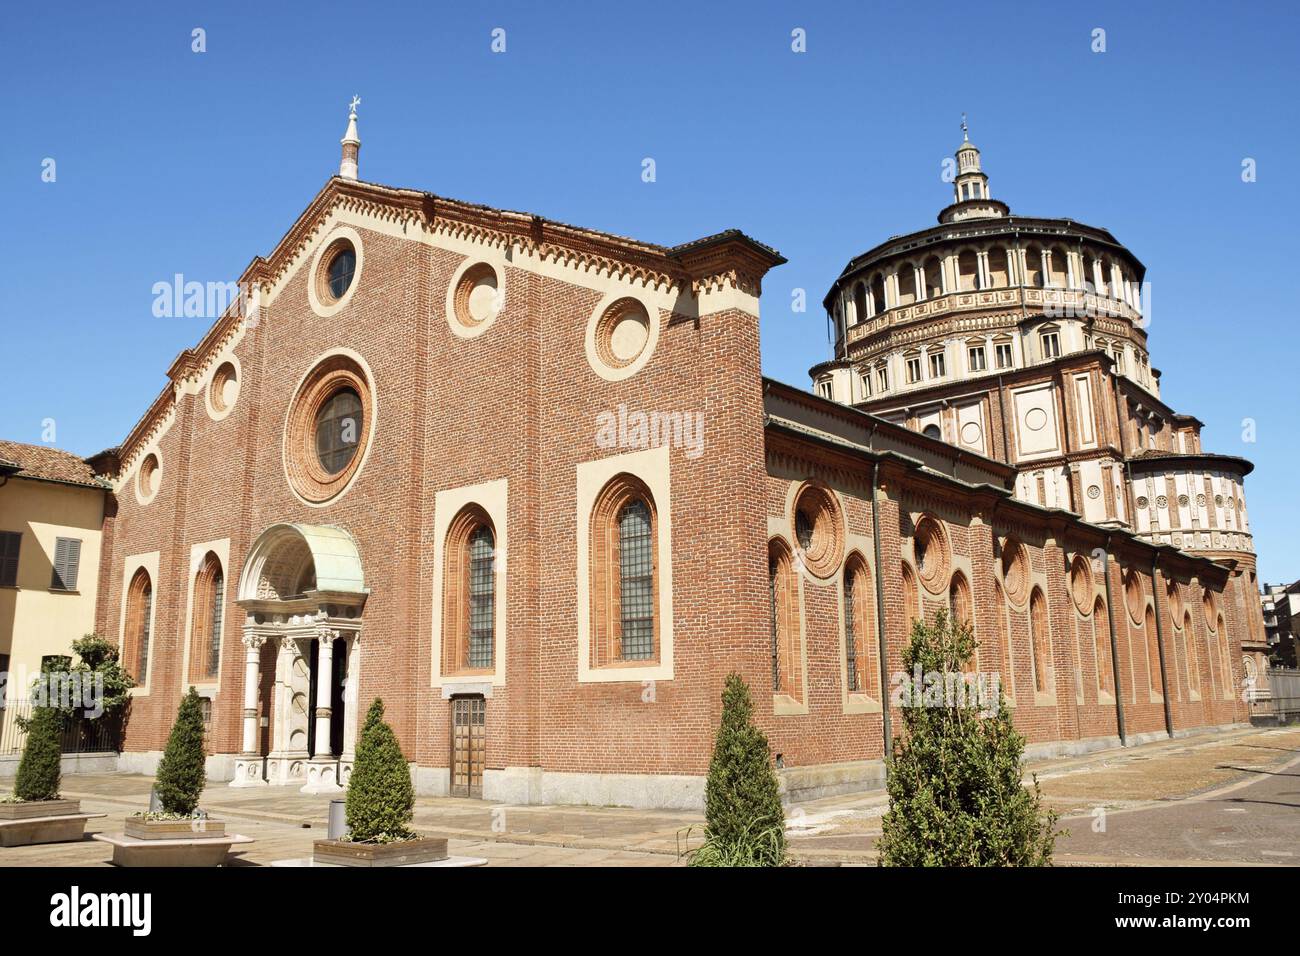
(351, 143)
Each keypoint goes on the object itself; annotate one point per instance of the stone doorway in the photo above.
(303, 592)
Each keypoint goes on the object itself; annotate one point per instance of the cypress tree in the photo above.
(39, 770)
(743, 816)
(381, 799)
(181, 775)
(956, 796)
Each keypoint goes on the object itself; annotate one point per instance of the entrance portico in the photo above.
(303, 591)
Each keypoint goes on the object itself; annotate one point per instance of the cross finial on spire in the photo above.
(965, 136)
(356, 101)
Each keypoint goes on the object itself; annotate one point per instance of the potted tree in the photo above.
(744, 821)
(179, 834)
(35, 812)
(380, 805)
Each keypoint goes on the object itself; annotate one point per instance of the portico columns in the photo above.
(323, 768)
(248, 765)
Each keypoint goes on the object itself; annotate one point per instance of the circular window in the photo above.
(1134, 596)
(328, 429)
(477, 297)
(339, 267)
(149, 478)
(622, 334)
(818, 529)
(1015, 571)
(223, 390)
(1081, 586)
(620, 338)
(335, 272)
(1142, 501)
(930, 548)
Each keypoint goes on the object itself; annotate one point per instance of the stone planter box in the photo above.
(42, 821)
(189, 852)
(407, 853)
(195, 829)
(39, 808)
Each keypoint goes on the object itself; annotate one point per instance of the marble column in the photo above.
(248, 765)
(323, 768)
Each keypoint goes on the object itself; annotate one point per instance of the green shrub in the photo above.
(39, 771)
(744, 820)
(381, 800)
(956, 796)
(181, 775)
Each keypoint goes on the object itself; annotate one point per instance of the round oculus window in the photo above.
(338, 430)
(330, 422)
(338, 269)
(1015, 571)
(623, 333)
(149, 478)
(478, 296)
(818, 529)
(224, 387)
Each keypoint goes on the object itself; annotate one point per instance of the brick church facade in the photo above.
(526, 482)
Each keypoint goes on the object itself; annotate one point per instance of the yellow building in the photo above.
(51, 516)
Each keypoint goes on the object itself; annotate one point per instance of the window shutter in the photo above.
(9, 542)
(67, 560)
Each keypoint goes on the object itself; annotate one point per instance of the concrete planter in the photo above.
(190, 852)
(198, 828)
(39, 808)
(42, 821)
(406, 853)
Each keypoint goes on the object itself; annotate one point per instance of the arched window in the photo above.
(1192, 658)
(860, 669)
(959, 607)
(1034, 267)
(783, 613)
(906, 284)
(1229, 685)
(206, 620)
(469, 594)
(1040, 639)
(998, 271)
(859, 303)
(1003, 652)
(878, 295)
(932, 280)
(1060, 265)
(624, 583)
(967, 271)
(1153, 649)
(139, 622)
(1101, 640)
(911, 597)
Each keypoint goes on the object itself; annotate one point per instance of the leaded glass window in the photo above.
(636, 582)
(482, 597)
(338, 429)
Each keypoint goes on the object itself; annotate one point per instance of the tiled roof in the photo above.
(45, 463)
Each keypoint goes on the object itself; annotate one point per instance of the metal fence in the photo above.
(1283, 700)
(80, 734)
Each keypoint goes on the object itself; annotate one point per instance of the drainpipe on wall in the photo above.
(1160, 645)
(880, 605)
(1114, 651)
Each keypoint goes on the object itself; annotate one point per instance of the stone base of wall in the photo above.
(219, 767)
(71, 763)
(828, 779)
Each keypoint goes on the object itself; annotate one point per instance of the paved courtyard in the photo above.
(1227, 798)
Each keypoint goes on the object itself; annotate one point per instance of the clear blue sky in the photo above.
(170, 161)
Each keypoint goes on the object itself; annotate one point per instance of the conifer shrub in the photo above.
(181, 774)
(39, 770)
(744, 820)
(381, 799)
(956, 796)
